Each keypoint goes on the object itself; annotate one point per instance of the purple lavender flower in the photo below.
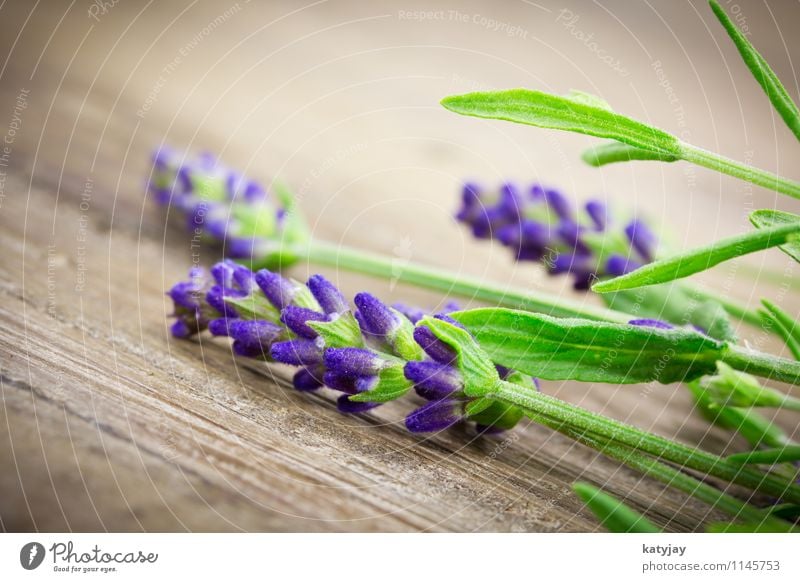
(370, 354)
(219, 205)
(541, 225)
(440, 382)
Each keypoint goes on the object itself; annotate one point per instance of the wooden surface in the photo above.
(106, 423)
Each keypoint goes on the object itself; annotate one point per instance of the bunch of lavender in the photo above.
(222, 207)
(371, 354)
(540, 224)
(374, 353)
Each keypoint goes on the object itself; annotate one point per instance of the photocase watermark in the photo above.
(569, 20)
(6, 148)
(100, 8)
(326, 165)
(152, 96)
(402, 254)
(65, 558)
(31, 555)
(52, 263)
(738, 17)
(83, 230)
(491, 24)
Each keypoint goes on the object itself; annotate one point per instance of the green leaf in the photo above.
(613, 514)
(675, 304)
(611, 153)
(341, 332)
(786, 454)
(700, 259)
(730, 387)
(478, 370)
(784, 325)
(588, 99)
(762, 72)
(767, 218)
(255, 306)
(589, 351)
(564, 113)
(756, 428)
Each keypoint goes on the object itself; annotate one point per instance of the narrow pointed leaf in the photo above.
(578, 349)
(611, 153)
(786, 327)
(767, 218)
(579, 115)
(700, 259)
(613, 514)
(762, 72)
(787, 454)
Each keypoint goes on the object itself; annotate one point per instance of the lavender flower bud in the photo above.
(298, 352)
(296, 318)
(642, 239)
(598, 212)
(253, 338)
(278, 290)
(305, 380)
(436, 416)
(346, 383)
(329, 297)
(432, 380)
(347, 406)
(433, 346)
(354, 361)
(377, 318)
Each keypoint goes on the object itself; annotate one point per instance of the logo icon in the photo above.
(31, 555)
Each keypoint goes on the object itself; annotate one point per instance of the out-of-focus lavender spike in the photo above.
(544, 227)
(598, 212)
(642, 239)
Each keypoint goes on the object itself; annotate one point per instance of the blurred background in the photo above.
(109, 424)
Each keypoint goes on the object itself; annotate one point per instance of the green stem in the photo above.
(760, 364)
(576, 418)
(686, 483)
(323, 253)
(739, 170)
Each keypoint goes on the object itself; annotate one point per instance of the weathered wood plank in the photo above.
(107, 423)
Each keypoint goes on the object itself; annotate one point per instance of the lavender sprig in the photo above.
(222, 207)
(540, 224)
(370, 354)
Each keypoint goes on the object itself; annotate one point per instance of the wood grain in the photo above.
(108, 424)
